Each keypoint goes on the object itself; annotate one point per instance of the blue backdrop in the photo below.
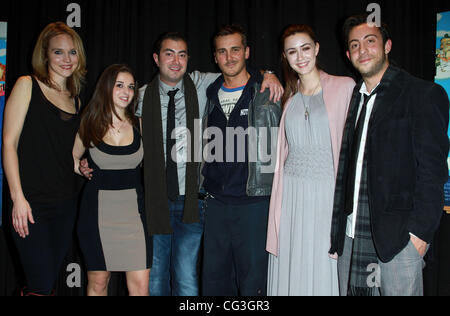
(2, 99)
(443, 71)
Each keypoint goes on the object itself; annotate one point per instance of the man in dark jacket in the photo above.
(389, 193)
(237, 178)
(170, 107)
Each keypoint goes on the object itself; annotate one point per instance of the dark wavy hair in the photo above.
(97, 117)
(357, 20)
(290, 75)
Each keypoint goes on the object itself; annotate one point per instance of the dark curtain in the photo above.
(116, 31)
(437, 270)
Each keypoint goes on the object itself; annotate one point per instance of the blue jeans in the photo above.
(175, 256)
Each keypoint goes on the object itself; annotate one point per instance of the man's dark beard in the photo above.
(376, 68)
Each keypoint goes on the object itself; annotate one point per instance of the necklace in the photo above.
(121, 125)
(306, 106)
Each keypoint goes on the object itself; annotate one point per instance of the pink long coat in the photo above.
(337, 93)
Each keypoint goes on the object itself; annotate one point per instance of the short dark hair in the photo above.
(175, 36)
(359, 19)
(230, 30)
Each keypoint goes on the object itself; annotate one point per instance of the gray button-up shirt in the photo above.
(201, 82)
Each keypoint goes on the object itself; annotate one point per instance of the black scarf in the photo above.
(156, 200)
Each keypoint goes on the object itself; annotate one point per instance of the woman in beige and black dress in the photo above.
(111, 229)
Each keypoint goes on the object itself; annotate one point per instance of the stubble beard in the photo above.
(233, 73)
(375, 69)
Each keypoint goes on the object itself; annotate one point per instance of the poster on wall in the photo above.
(2, 98)
(443, 72)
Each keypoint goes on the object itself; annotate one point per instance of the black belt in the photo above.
(202, 196)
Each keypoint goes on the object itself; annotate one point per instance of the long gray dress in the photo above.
(303, 267)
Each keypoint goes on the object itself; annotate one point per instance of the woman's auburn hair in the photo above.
(290, 75)
(40, 57)
(97, 116)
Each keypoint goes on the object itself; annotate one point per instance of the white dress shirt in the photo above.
(201, 82)
(351, 219)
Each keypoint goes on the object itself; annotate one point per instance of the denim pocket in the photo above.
(202, 210)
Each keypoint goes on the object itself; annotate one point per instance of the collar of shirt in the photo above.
(363, 89)
(351, 220)
(164, 89)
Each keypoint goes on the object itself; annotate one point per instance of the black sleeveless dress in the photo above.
(50, 186)
(111, 228)
(45, 151)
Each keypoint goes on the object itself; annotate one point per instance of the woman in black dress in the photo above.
(111, 229)
(40, 123)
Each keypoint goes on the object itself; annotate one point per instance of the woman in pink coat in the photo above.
(315, 106)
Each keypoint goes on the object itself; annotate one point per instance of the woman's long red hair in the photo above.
(290, 76)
